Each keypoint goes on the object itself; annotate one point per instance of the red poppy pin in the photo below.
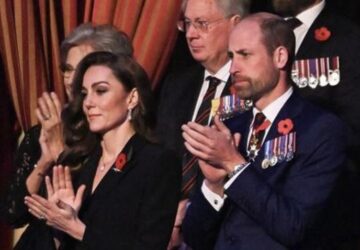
(322, 34)
(120, 162)
(285, 126)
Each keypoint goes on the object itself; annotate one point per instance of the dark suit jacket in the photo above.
(134, 208)
(279, 207)
(178, 97)
(343, 99)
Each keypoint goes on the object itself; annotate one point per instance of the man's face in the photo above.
(291, 7)
(253, 72)
(207, 47)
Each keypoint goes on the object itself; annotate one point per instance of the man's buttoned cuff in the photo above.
(215, 200)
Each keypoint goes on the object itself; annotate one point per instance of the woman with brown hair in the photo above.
(43, 143)
(132, 184)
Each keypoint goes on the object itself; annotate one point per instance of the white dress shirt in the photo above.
(307, 18)
(223, 75)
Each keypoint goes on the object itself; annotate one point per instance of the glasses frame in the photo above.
(184, 24)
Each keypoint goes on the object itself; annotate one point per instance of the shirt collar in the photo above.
(308, 16)
(272, 110)
(222, 74)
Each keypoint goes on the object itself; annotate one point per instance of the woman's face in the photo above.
(74, 56)
(106, 102)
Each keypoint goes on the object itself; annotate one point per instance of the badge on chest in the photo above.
(317, 72)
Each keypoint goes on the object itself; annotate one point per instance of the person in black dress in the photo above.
(43, 143)
(132, 185)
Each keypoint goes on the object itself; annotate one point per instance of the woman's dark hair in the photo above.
(79, 139)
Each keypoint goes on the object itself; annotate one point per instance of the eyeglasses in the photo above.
(200, 25)
(66, 69)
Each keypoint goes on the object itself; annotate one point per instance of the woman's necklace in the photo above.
(103, 164)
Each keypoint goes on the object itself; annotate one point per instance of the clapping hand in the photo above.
(216, 149)
(61, 208)
(49, 115)
(215, 145)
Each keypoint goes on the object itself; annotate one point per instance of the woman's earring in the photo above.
(129, 115)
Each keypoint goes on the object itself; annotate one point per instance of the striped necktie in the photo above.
(190, 163)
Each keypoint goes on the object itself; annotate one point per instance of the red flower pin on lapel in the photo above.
(285, 126)
(322, 34)
(120, 162)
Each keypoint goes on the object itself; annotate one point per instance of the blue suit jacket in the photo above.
(279, 207)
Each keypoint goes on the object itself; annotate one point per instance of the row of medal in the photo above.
(279, 149)
(316, 72)
(228, 106)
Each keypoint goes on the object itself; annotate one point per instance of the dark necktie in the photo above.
(190, 163)
(259, 127)
(293, 22)
(203, 113)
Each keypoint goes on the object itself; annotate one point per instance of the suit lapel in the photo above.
(240, 124)
(291, 109)
(196, 79)
(226, 90)
(113, 177)
(310, 45)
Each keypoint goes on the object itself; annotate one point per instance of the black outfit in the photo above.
(13, 210)
(130, 209)
(178, 97)
(134, 208)
(344, 100)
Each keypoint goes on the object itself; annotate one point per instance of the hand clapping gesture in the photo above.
(49, 115)
(61, 208)
(216, 149)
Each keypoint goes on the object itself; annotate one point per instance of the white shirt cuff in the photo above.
(215, 200)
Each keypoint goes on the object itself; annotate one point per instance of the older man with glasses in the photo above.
(186, 94)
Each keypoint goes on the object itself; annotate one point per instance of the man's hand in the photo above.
(215, 145)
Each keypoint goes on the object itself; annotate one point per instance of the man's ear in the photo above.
(133, 98)
(235, 19)
(280, 57)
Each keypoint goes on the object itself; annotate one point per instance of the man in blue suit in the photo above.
(267, 185)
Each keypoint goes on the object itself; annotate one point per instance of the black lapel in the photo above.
(196, 78)
(310, 45)
(112, 177)
(226, 90)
